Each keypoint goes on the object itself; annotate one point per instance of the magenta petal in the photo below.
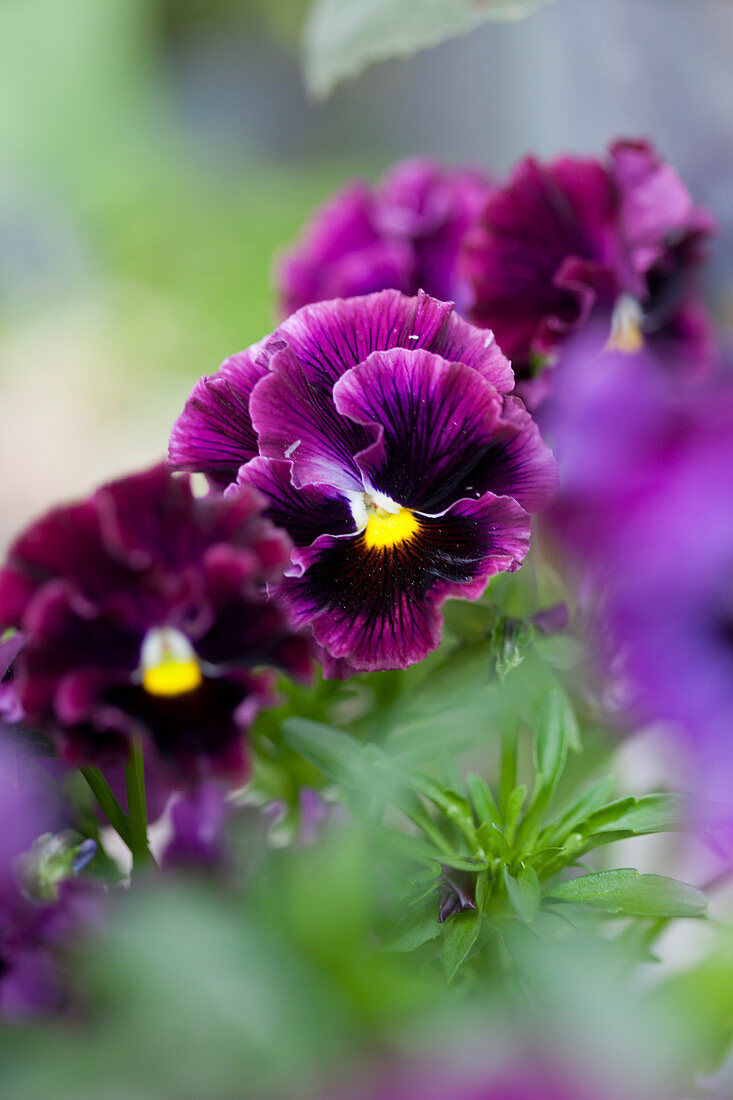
(297, 421)
(379, 609)
(655, 205)
(214, 433)
(435, 420)
(330, 337)
(445, 433)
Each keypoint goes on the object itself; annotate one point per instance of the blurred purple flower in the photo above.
(645, 505)
(33, 930)
(392, 455)
(404, 234)
(144, 612)
(620, 238)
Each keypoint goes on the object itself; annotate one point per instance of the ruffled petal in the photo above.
(214, 433)
(330, 337)
(379, 608)
(544, 215)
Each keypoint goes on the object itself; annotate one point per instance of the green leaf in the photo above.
(461, 933)
(632, 894)
(654, 813)
(524, 893)
(586, 803)
(483, 800)
(551, 746)
(514, 805)
(342, 37)
(420, 932)
(335, 753)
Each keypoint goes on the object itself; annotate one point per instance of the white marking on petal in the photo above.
(414, 336)
(292, 448)
(357, 503)
(489, 339)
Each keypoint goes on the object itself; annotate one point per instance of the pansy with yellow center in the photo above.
(390, 451)
(144, 613)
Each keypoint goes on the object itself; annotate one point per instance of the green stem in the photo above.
(109, 805)
(137, 809)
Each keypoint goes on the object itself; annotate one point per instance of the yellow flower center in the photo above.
(168, 663)
(385, 529)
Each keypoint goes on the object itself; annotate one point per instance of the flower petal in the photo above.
(544, 215)
(214, 433)
(330, 337)
(305, 513)
(444, 433)
(296, 420)
(379, 608)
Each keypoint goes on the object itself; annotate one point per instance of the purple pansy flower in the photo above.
(403, 234)
(145, 612)
(390, 451)
(619, 237)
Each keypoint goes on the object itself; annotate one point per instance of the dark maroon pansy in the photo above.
(390, 451)
(404, 234)
(619, 237)
(145, 613)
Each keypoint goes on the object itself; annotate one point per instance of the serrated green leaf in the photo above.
(632, 894)
(342, 37)
(461, 934)
(523, 890)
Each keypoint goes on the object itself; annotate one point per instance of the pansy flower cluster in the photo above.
(382, 432)
(369, 460)
(555, 245)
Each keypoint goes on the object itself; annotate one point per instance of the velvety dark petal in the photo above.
(68, 639)
(305, 513)
(378, 608)
(518, 463)
(66, 542)
(528, 228)
(214, 433)
(446, 433)
(436, 418)
(330, 337)
(296, 421)
(247, 629)
(201, 732)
